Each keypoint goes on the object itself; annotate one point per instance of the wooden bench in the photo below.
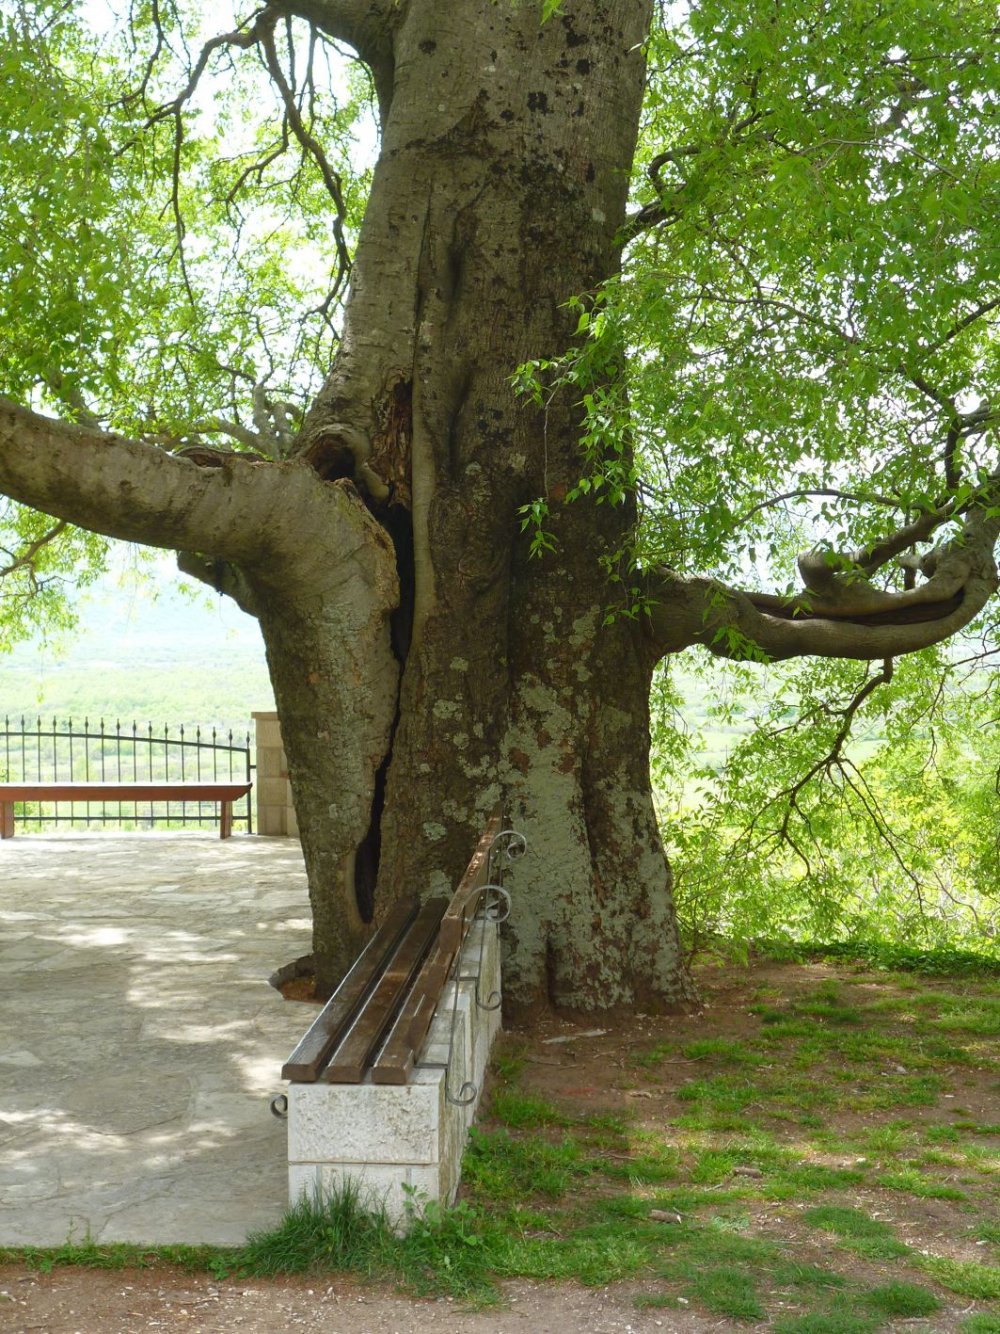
(224, 793)
(377, 1019)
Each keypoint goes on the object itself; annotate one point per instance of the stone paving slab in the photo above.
(140, 1041)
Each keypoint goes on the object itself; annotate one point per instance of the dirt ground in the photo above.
(586, 1068)
(74, 1301)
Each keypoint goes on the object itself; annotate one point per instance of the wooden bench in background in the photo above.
(224, 793)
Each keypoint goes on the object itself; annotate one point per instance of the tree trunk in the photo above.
(498, 194)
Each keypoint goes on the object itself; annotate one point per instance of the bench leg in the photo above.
(6, 819)
(226, 819)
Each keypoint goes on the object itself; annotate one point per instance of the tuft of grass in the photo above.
(502, 1169)
(726, 1290)
(455, 1251)
(980, 1016)
(831, 1012)
(344, 1230)
(523, 1110)
(720, 1049)
(722, 1093)
(812, 1177)
(508, 1059)
(983, 1323)
(89, 1254)
(826, 1322)
(643, 1169)
(901, 1299)
(856, 1231)
(967, 1278)
(915, 1183)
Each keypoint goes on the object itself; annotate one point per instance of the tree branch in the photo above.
(840, 616)
(367, 26)
(25, 559)
(135, 491)
(220, 575)
(311, 146)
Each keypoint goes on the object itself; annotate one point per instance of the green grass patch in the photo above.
(726, 1290)
(856, 1231)
(524, 1110)
(901, 1299)
(89, 1254)
(983, 1323)
(964, 1277)
(827, 1321)
(720, 1049)
(642, 1169)
(722, 1093)
(343, 1231)
(915, 1183)
(501, 1169)
(788, 1181)
(831, 1012)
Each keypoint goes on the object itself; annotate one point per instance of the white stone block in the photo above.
(361, 1123)
(402, 1144)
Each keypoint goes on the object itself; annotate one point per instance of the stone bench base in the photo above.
(402, 1145)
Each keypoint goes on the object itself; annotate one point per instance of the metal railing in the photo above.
(37, 751)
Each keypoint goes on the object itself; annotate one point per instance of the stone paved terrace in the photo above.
(139, 1038)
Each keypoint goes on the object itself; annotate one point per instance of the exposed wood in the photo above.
(368, 1031)
(455, 922)
(395, 1062)
(307, 1060)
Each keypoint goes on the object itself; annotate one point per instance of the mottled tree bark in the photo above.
(498, 195)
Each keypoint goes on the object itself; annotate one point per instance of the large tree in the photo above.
(465, 573)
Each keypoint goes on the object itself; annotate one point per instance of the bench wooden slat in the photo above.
(396, 1060)
(456, 921)
(366, 1034)
(330, 1025)
(394, 1063)
(165, 790)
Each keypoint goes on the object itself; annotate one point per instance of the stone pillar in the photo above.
(275, 812)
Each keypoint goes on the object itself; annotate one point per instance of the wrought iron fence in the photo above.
(36, 751)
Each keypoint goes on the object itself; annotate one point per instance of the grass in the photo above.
(856, 1231)
(765, 1189)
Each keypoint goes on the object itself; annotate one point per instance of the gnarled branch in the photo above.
(237, 512)
(841, 615)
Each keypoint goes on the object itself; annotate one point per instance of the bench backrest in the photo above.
(378, 1017)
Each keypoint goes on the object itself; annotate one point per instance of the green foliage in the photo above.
(163, 277)
(827, 194)
(877, 848)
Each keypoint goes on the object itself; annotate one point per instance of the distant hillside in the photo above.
(148, 652)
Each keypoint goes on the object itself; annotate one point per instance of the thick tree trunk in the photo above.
(498, 194)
